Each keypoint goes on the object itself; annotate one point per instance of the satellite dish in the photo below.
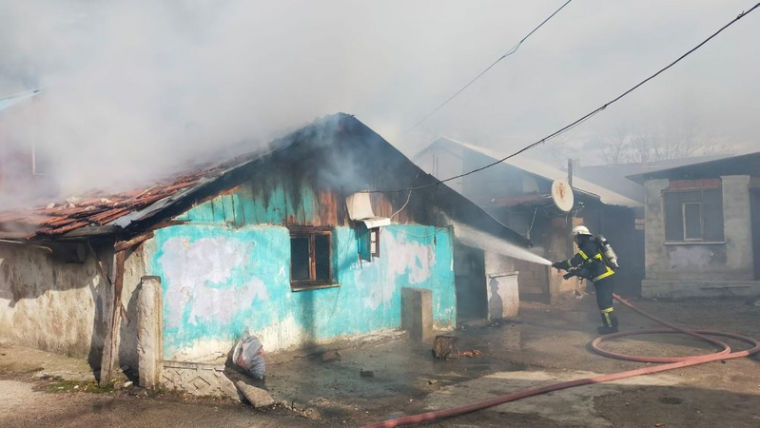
(562, 195)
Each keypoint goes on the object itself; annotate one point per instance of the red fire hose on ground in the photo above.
(670, 363)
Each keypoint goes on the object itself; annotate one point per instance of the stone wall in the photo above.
(55, 299)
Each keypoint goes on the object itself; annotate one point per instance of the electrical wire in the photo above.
(508, 53)
(403, 206)
(583, 118)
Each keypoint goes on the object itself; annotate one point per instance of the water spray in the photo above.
(475, 238)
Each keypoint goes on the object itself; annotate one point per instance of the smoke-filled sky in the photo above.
(132, 88)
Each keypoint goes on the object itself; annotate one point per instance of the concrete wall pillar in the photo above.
(149, 346)
(655, 253)
(737, 226)
(417, 313)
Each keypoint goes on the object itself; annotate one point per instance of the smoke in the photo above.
(134, 90)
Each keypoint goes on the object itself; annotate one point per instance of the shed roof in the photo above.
(545, 171)
(745, 164)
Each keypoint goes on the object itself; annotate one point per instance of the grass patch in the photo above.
(71, 385)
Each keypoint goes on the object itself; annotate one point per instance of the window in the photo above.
(310, 258)
(694, 215)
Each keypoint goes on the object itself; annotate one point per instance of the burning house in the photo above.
(285, 243)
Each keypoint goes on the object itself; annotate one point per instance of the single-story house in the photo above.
(517, 192)
(285, 243)
(703, 229)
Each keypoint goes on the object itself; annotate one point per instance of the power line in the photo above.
(510, 52)
(583, 118)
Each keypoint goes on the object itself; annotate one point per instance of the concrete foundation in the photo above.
(198, 379)
(417, 313)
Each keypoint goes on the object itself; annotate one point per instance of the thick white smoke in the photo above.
(134, 89)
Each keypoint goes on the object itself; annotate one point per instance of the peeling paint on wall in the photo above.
(220, 281)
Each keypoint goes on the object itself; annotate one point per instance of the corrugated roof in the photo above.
(92, 209)
(712, 163)
(550, 173)
(98, 209)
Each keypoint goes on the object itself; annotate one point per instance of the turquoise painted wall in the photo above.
(219, 280)
(272, 204)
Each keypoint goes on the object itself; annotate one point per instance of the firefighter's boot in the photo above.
(609, 321)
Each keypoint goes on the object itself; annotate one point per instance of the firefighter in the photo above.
(589, 263)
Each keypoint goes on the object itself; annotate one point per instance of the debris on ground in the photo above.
(472, 354)
(256, 396)
(445, 347)
(330, 356)
(367, 373)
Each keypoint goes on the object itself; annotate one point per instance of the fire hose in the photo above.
(669, 363)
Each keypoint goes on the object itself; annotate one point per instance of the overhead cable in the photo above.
(508, 53)
(583, 118)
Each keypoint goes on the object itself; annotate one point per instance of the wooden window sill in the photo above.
(307, 287)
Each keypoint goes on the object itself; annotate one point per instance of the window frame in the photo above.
(312, 283)
(684, 221)
(702, 212)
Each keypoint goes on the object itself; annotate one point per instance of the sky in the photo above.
(134, 89)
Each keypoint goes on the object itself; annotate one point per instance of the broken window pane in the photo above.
(299, 258)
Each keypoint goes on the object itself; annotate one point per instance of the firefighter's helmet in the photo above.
(580, 230)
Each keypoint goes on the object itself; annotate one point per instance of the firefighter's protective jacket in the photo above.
(589, 259)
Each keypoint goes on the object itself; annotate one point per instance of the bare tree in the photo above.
(612, 148)
(670, 144)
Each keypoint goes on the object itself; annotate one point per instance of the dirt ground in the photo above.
(544, 345)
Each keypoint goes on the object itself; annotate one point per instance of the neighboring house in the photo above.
(703, 229)
(615, 177)
(280, 242)
(517, 192)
